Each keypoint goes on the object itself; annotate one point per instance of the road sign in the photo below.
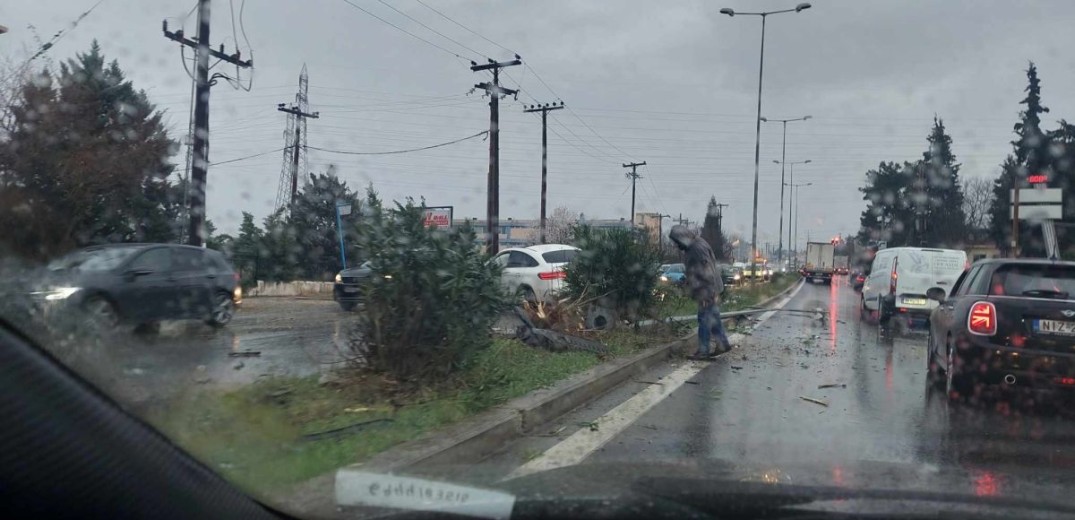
(1041, 212)
(1038, 196)
(438, 217)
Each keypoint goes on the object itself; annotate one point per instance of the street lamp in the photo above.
(783, 157)
(795, 203)
(757, 132)
(792, 180)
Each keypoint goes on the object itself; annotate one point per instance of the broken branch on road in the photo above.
(815, 401)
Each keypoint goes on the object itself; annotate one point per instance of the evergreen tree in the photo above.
(711, 231)
(247, 250)
(313, 217)
(86, 161)
(889, 213)
(943, 223)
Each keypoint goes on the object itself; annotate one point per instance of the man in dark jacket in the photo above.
(705, 286)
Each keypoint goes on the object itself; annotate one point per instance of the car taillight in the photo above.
(895, 276)
(982, 319)
(553, 275)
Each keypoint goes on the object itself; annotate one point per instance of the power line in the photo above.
(237, 159)
(345, 152)
(434, 31)
(404, 31)
(468, 29)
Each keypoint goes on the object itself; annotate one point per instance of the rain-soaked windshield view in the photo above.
(633, 259)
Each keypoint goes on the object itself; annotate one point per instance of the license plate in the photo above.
(1063, 328)
(914, 301)
(350, 289)
(817, 279)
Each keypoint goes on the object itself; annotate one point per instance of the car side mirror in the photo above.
(937, 295)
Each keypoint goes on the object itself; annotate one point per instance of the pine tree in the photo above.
(943, 211)
(313, 217)
(711, 231)
(889, 213)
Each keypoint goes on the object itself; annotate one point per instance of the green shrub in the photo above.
(432, 299)
(618, 266)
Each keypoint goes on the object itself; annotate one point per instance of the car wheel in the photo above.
(223, 310)
(100, 313)
(882, 315)
(528, 295)
(959, 386)
(348, 306)
(934, 376)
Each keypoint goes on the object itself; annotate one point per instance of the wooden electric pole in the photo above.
(495, 91)
(634, 176)
(200, 167)
(544, 153)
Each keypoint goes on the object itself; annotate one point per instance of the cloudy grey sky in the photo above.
(672, 83)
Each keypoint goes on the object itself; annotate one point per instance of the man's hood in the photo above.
(682, 236)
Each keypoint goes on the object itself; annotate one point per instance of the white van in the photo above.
(902, 278)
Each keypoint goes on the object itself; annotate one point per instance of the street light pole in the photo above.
(757, 131)
(792, 181)
(783, 159)
(795, 204)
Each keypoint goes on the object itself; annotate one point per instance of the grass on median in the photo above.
(254, 435)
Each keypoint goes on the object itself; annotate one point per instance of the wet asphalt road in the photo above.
(746, 409)
(268, 337)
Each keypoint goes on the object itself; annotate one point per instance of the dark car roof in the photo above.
(1028, 261)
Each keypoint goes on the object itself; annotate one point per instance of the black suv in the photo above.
(141, 284)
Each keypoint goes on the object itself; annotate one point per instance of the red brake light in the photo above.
(1068, 381)
(553, 275)
(982, 319)
(892, 282)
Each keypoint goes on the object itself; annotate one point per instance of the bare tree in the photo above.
(977, 200)
(558, 225)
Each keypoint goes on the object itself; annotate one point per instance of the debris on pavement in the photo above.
(832, 385)
(589, 424)
(815, 401)
(735, 367)
(245, 353)
(649, 382)
(239, 366)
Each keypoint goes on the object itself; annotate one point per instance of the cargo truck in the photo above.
(820, 262)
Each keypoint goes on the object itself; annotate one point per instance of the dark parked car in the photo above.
(141, 284)
(858, 279)
(730, 275)
(1006, 321)
(347, 291)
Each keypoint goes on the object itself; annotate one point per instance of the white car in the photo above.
(902, 279)
(535, 271)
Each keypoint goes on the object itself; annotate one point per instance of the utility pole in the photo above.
(298, 115)
(720, 216)
(495, 91)
(200, 167)
(1015, 216)
(634, 176)
(544, 153)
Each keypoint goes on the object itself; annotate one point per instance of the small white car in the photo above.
(536, 271)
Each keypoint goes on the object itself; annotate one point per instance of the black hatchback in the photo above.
(1008, 322)
(140, 284)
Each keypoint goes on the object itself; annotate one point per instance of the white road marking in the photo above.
(584, 442)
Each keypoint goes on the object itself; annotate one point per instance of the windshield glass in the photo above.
(1055, 281)
(617, 245)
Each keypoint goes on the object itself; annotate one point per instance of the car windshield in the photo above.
(618, 246)
(1042, 280)
(104, 259)
(561, 256)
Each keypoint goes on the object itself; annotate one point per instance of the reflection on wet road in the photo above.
(804, 391)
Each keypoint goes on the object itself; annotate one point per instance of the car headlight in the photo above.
(58, 293)
(664, 278)
(736, 277)
(339, 278)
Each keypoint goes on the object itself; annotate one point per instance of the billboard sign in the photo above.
(438, 217)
